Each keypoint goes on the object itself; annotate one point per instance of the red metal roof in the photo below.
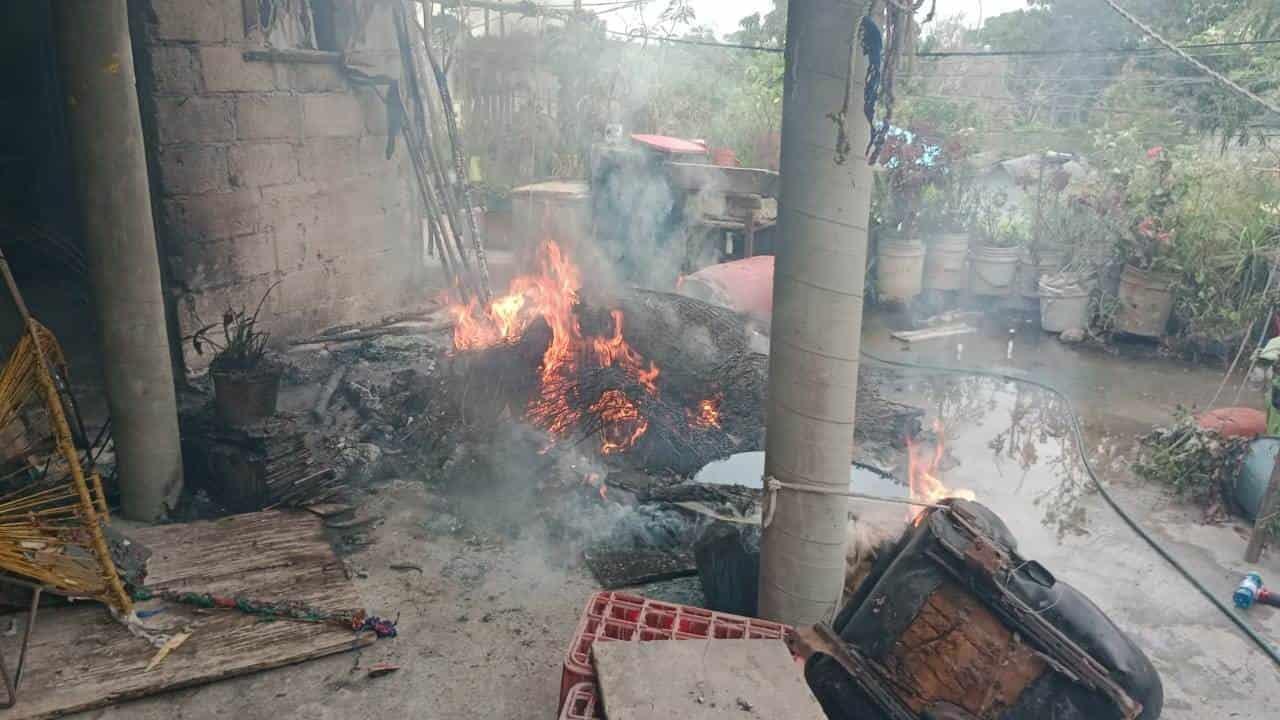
(671, 145)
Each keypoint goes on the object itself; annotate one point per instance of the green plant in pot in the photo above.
(1151, 195)
(246, 377)
(998, 238)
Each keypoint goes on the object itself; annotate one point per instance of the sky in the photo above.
(723, 15)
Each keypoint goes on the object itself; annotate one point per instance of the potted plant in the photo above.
(1150, 272)
(899, 252)
(947, 210)
(999, 239)
(246, 378)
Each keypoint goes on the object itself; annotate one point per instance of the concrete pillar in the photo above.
(109, 161)
(817, 314)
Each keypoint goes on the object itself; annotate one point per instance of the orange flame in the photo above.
(922, 469)
(551, 294)
(596, 480)
(707, 415)
(623, 422)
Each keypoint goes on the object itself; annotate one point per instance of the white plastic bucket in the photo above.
(993, 270)
(899, 269)
(1064, 302)
(1031, 269)
(1146, 301)
(946, 262)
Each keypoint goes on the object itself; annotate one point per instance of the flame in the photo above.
(922, 469)
(596, 480)
(551, 293)
(624, 424)
(707, 415)
(616, 351)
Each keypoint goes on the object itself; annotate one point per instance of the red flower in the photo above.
(1147, 228)
(1155, 152)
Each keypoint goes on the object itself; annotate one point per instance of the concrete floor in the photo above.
(484, 627)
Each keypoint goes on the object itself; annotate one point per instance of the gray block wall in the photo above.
(275, 172)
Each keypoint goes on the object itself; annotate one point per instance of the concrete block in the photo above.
(308, 288)
(256, 164)
(332, 115)
(268, 117)
(377, 278)
(210, 21)
(198, 218)
(194, 120)
(374, 111)
(224, 69)
(296, 215)
(373, 155)
(174, 70)
(314, 77)
(329, 158)
(375, 62)
(193, 169)
(220, 263)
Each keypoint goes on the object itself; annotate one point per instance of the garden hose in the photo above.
(1078, 434)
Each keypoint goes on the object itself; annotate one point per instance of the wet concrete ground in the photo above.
(1011, 443)
(484, 626)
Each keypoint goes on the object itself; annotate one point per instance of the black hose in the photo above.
(1257, 639)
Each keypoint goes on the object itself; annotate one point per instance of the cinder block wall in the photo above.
(275, 172)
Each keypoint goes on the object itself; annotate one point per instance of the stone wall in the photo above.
(269, 172)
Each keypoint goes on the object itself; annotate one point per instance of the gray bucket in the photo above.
(1064, 302)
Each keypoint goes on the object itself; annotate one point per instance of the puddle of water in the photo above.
(747, 469)
(1010, 443)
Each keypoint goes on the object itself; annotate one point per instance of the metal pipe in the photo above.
(96, 64)
(817, 314)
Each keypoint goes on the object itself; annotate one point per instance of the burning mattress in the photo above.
(654, 381)
(954, 624)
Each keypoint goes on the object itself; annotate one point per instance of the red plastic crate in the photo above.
(618, 616)
(580, 704)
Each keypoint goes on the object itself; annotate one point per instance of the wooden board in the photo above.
(702, 680)
(80, 658)
(933, 333)
(615, 569)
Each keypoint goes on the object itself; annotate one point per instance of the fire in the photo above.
(551, 293)
(624, 424)
(922, 469)
(596, 481)
(707, 415)
(616, 351)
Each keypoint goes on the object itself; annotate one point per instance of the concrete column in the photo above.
(817, 314)
(109, 161)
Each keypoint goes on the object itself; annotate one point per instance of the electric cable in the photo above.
(1270, 650)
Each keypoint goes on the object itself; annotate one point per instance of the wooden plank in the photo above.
(702, 680)
(934, 333)
(80, 658)
(615, 569)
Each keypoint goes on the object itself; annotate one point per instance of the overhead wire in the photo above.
(1242, 45)
(1226, 81)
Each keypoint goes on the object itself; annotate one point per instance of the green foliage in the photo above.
(243, 347)
(1212, 221)
(1227, 239)
(994, 226)
(1199, 465)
